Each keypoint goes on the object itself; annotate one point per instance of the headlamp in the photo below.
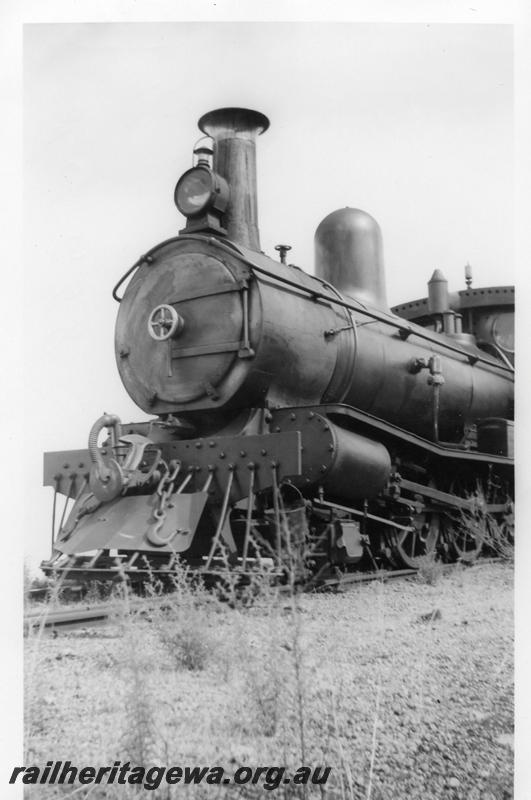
(199, 191)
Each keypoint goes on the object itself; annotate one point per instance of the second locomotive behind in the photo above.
(276, 391)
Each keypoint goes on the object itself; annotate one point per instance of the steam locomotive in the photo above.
(291, 413)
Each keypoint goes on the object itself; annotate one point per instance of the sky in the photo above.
(410, 122)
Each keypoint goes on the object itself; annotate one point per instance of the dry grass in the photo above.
(430, 570)
(401, 703)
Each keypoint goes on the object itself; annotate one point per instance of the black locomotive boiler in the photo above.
(290, 412)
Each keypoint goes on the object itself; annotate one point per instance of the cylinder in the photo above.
(349, 255)
(234, 131)
(361, 467)
(346, 464)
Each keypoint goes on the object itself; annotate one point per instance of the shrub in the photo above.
(429, 570)
(186, 642)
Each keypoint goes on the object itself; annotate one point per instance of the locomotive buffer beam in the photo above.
(270, 457)
(217, 471)
(67, 470)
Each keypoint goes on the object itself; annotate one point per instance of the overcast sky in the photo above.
(412, 123)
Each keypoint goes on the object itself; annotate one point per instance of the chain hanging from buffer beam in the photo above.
(164, 491)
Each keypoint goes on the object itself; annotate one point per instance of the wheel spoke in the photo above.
(411, 546)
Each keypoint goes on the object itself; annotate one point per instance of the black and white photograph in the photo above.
(267, 329)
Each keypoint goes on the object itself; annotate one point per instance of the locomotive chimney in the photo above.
(234, 131)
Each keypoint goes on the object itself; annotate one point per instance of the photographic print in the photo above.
(269, 349)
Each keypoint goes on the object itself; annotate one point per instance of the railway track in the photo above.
(65, 619)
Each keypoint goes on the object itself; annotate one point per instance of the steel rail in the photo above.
(69, 618)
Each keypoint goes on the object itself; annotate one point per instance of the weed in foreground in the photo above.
(139, 739)
(187, 644)
(181, 622)
(430, 570)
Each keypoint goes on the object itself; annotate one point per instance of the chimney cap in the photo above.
(237, 119)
